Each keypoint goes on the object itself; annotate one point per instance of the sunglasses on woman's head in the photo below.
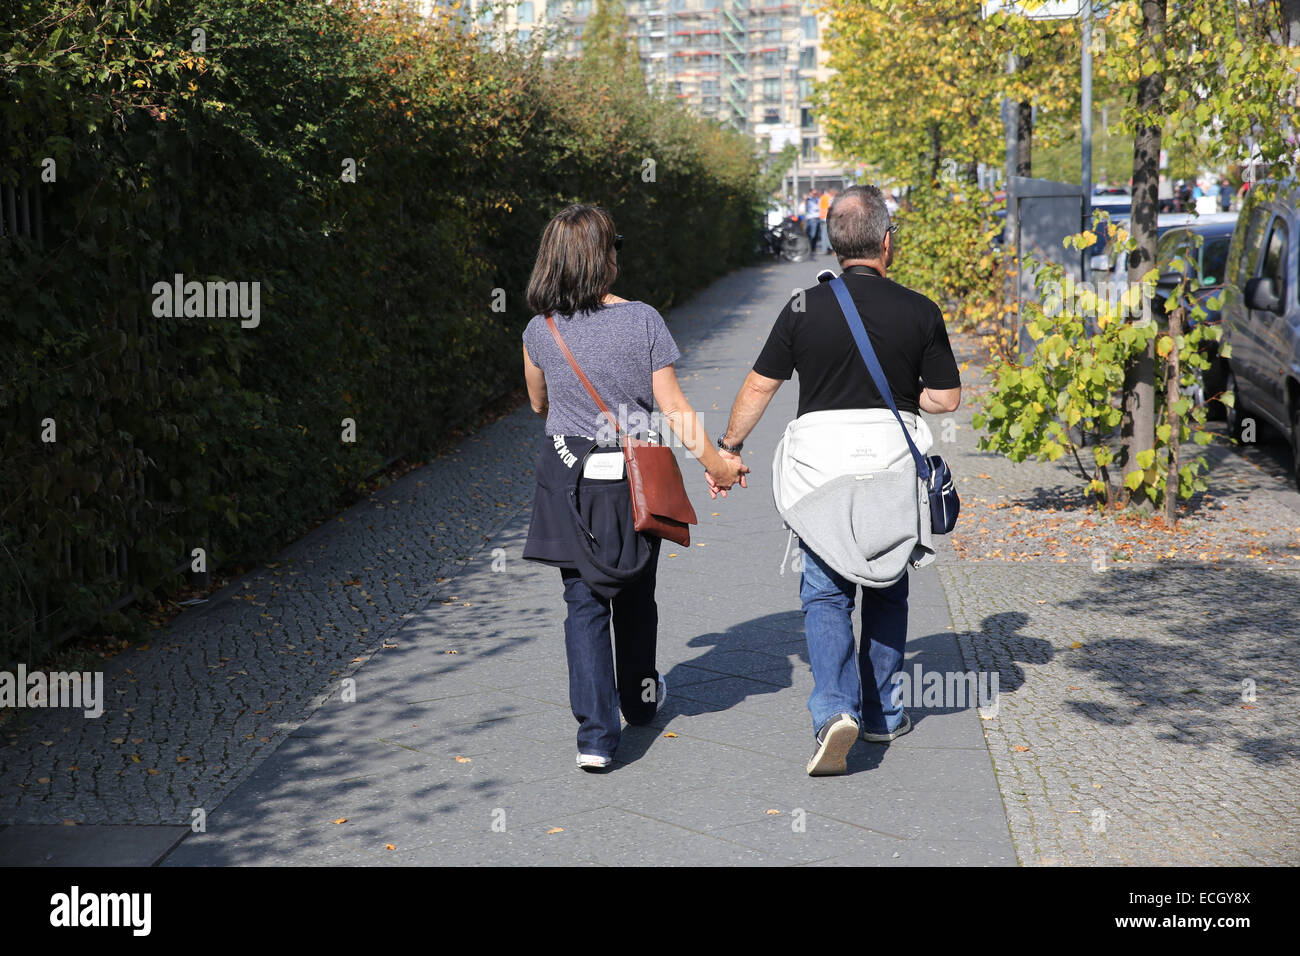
(618, 243)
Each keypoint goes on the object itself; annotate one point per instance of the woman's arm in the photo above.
(686, 425)
(536, 383)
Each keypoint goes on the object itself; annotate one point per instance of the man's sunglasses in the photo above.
(893, 229)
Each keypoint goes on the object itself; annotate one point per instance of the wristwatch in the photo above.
(730, 449)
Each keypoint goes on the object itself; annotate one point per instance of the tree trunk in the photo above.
(936, 152)
(1025, 139)
(1290, 22)
(1138, 425)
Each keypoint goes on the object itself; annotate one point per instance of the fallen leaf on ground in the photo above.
(340, 820)
(670, 734)
(554, 830)
(772, 812)
(460, 759)
(1018, 748)
(389, 846)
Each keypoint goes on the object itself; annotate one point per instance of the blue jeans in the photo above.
(598, 687)
(814, 229)
(844, 681)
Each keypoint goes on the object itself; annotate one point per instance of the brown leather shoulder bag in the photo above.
(660, 506)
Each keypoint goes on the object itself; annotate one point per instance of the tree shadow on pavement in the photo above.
(1000, 646)
(747, 660)
(1199, 646)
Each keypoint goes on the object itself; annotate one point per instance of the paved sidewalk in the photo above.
(459, 745)
(1150, 709)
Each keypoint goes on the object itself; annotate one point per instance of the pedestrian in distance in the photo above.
(1225, 194)
(1164, 194)
(824, 209)
(812, 219)
(582, 520)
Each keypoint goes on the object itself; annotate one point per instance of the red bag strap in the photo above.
(577, 370)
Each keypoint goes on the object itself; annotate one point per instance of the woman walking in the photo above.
(582, 514)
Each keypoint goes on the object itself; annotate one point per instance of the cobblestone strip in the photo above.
(1147, 710)
(191, 713)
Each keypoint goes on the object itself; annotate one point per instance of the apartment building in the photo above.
(748, 63)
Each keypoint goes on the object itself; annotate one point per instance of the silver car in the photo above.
(1261, 315)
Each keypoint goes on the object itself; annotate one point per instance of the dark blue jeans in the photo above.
(846, 681)
(814, 229)
(602, 678)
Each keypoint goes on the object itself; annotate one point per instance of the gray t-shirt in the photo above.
(619, 347)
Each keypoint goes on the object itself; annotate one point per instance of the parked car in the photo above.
(1261, 315)
(1199, 248)
(1165, 221)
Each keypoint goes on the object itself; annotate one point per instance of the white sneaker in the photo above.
(834, 741)
(903, 728)
(592, 762)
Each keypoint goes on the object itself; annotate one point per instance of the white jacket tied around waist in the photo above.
(845, 482)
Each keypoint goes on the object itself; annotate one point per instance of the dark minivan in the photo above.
(1261, 314)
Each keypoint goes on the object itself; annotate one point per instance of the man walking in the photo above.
(824, 211)
(1225, 194)
(812, 221)
(854, 691)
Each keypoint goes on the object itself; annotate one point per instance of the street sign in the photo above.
(1036, 9)
(779, 135)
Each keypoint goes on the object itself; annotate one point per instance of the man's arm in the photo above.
(940, 401)
(751, 402)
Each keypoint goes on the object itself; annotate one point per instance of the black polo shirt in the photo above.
(905, 328)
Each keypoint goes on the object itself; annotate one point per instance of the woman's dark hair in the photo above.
(575, 265)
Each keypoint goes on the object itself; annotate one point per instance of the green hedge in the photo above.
(376, 295)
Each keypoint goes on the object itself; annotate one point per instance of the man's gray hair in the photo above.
(857, 222)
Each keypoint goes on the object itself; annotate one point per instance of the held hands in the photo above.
(729, 471)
